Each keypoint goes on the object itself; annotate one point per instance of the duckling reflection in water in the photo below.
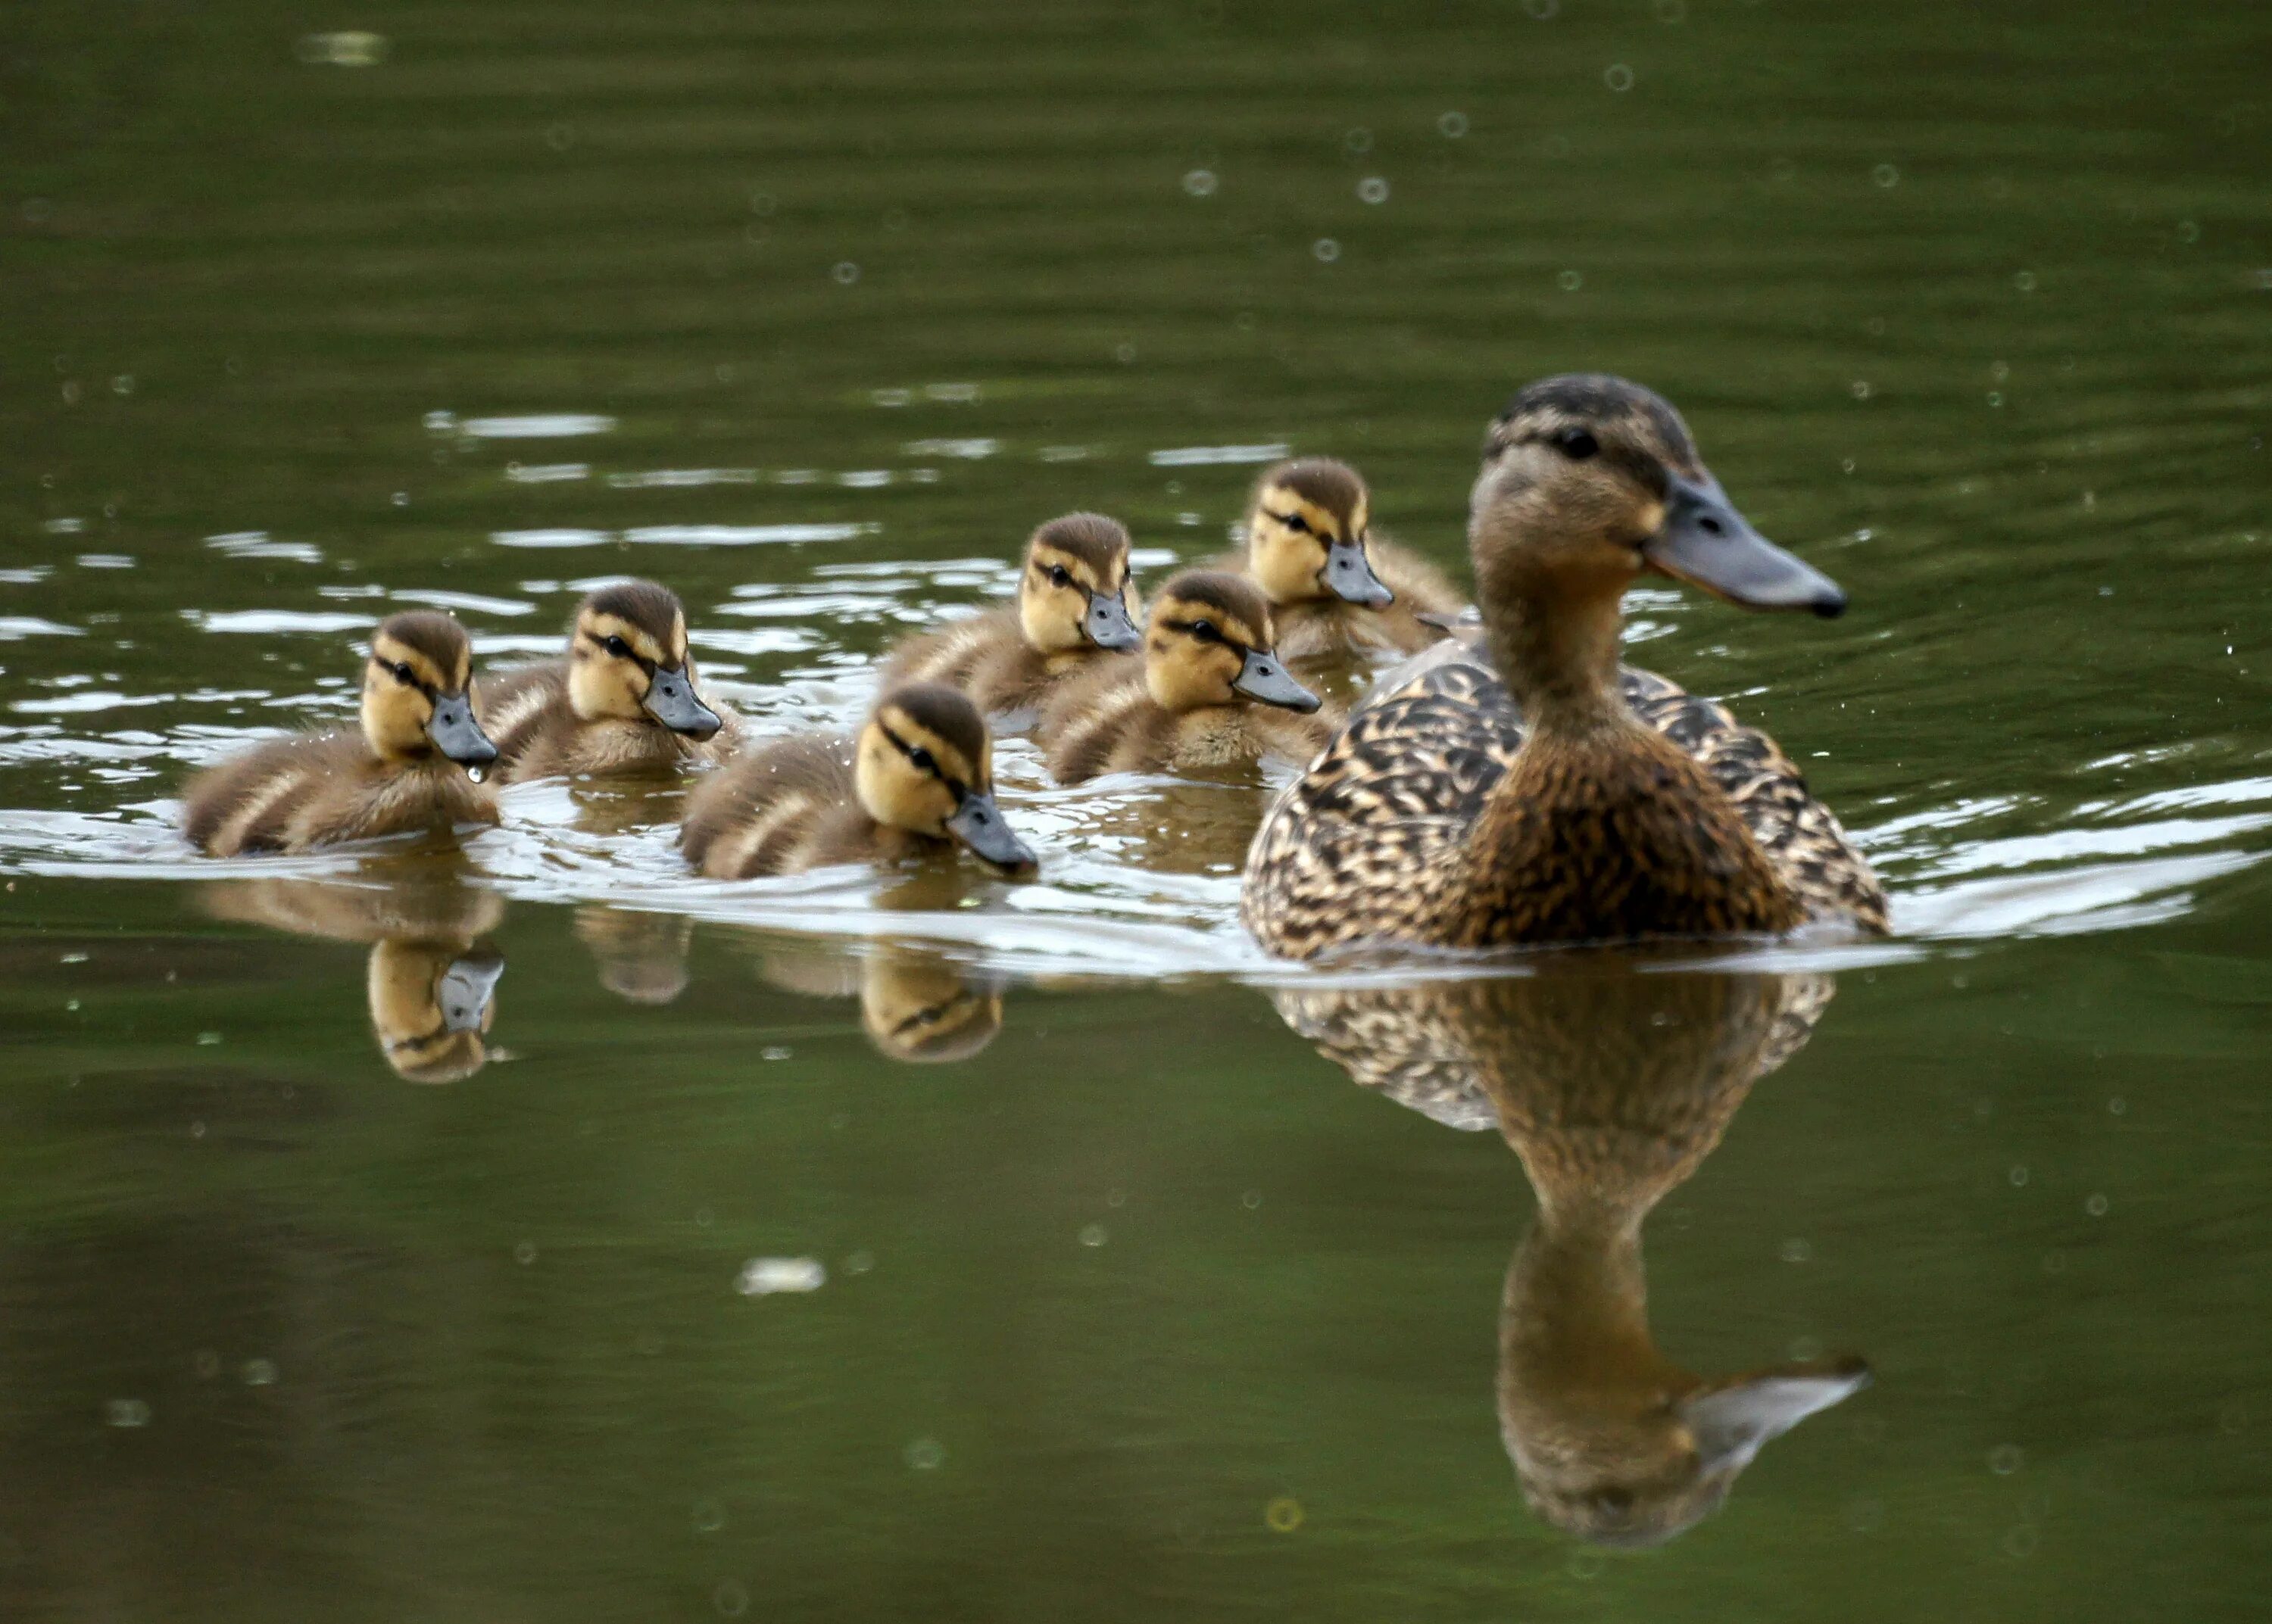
(1612, 1088)
(917, 781)
(1076, 600)
(625, 699)
(1529, 791)
(1334, 588)
(431, 981)
(916, 1004)
(642, 955)
(412, 764)
(1208, 691)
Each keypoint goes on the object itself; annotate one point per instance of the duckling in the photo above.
(918, 780)
(1612, 1088)
(413, 763)
(623, 700)
(1075, 600)
(1336, 588)
(1209, 650)
(1523, 790)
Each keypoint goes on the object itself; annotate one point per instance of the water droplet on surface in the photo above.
(1282, 1514)
(2024, 280)
(1358, 141)
(845, 272)
(859, 1263)
(2094, 1204)
(926, 1454)
(1125, 354)
(1250, 1200)
(1326, 250)
(525, 1253)
(2007, 1458)
(1570, 281)
(2188, 231)
(1861, 388)
(1995, 399)
(479, 775)
(258, 1373)
(1618, 77)
(1886, 176)
(1372, 189)
(709, 1516)
(779, 1051)
(126, 1412)
(2018, 1176)
(762, 1277)
(1796, 1251)
(1200, 182)
(1091, 1234)
(2117, 1106)
(122, 384)
(1452, 126)
(1116, 1198)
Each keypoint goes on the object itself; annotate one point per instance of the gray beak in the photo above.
(1107, 624)
(1348, 575)
(464, 992)
(1263, 679)
(979, 824)
(1706, 543)
(1733, 1423)
(670, 700)
(457, 734)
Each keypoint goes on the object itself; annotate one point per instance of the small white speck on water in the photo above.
(778, 1051)
(2188, 231)
(126, 1412)
(401, 499)
(206, 1039)
(1326, 250)
(2094, 1204)
(763, 1276)
(197, 1131)
(925, 1455)
(2024, 280)
(2007, 1458)
(845, 272)
(258, 1373)
(122, 384)
(525, 1253)
(1250, 1200)
(1796, 1251)
(708, 1517)
(1861, 388)
(1618, 77)
(2117, 1106)
(1125, 354)
(1116, 1198)
(71, 1006)
(1200, 182)
(1091, 1234)
(1452, 126)
(2018, 1176)
(859, 1263)
(1886, 176)
(1570, 281)
(1358, 141)
(1372, 189)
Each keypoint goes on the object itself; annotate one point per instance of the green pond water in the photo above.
(1177, 1285)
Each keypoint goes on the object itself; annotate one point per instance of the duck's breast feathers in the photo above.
(761, 813)
(320, 789)
(518, 706)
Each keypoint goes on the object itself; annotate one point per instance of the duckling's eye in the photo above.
(1060, 576)
(402, 673)
(1204, 632)
(1294, 522)
(922, 760)
(616, 646)
(1576, 444)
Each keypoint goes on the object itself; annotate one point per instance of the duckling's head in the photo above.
(417, 691)
(1210, 642)
(925, 763)
(1076, 592)
(1589, 481)
(627, 660)
(430, 1004)
(923, 1008)
(1308, 534)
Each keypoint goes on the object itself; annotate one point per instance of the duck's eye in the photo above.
(616, 646)
(1296, 523)
(1060, 576)
(922, 760)
(402, 672)
(1206, 631)
(1576, 444)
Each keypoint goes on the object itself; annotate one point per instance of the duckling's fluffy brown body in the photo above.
(321, 789)
(1106, 721)
(1426, 822)
(986, 656)
(527, 713)
(1329, 628)
(787, 807)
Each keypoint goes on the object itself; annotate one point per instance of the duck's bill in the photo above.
(1107, 624)
(1706, 543)
(670, 700)
(1264, 680)
(1349, 576)
(457, 734)
(978, 823)
(1731, 1422)
(466, 987)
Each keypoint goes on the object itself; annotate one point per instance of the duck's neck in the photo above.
(1557, 655)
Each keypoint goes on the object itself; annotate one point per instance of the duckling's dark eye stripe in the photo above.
(1294, 522)
(1190, 629)
(953, 785)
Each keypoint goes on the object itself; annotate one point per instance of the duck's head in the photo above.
(1589, 483)
(417, 692)
(923, 1008)
(1308, 534)
(1076, 593)
(925, 764)
(1210, 642)
(431, 1003)
(627, 660)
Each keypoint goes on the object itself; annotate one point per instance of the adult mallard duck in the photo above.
(1076, 600)
(412, 765)
(625, 699)
(1209, 691)
(918, 780)
(1334, 587)
(1521, 790)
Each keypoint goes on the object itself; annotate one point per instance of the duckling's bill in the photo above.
(1705, 542)
(1107, 624)
(457, 734)
(463, 992)
(670, 700)
(978, 823)
(1263, 678)
(1350, 575)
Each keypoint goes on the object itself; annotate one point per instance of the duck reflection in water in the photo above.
(916, 1003)
(641, 956)
(433, 982)
(1611, 1087)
